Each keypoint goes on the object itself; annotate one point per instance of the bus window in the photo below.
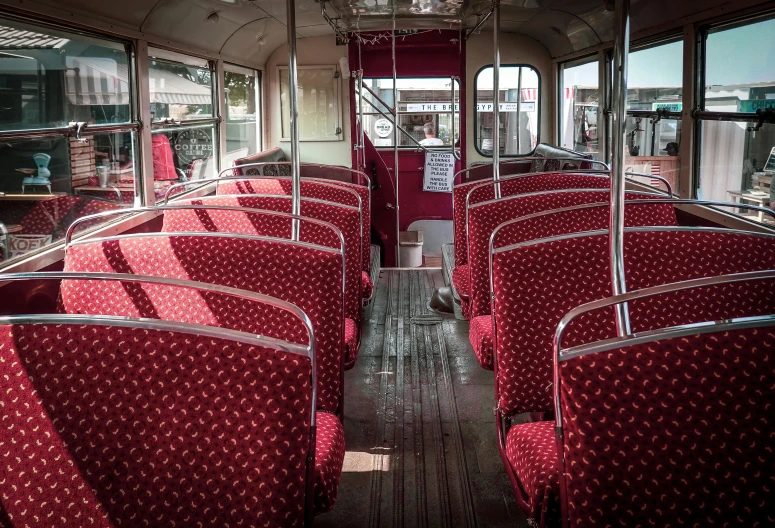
(424, 107)
(243, 122)
(520, 118)
(739, 79)
(184, 121)
(655, 84)
(53, 172)
(580, 100)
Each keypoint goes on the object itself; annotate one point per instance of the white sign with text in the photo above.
(439, 172)
(480, 107)
(506, 107)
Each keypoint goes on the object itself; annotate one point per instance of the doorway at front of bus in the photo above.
(429, 68)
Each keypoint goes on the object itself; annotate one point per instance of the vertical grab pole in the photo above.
(496, 116)
(519, 111)
(395, 146)
(619, 107)
(452, 124)
(362, 140)
(293, 86)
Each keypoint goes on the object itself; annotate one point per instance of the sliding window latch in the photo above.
(765, 115)
(76, 127)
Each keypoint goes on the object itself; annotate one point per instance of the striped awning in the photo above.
(101, 81)
(19, 39)
(95, 81)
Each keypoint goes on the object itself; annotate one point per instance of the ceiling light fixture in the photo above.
(213, 17)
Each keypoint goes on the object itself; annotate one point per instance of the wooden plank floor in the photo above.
(419, 425)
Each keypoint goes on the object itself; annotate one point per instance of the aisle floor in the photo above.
(421, 439)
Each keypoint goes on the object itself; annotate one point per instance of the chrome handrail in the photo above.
(178, 283)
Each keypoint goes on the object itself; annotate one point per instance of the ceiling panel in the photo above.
(256, 41)
(128, 14)
(307, 11)
(315, 31)
(186, 21)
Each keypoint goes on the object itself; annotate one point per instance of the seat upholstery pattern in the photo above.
(329, 457)
(331, 191)
(459, 193)
(367, 287)
(186, 305)
(124, 401)
(485, 218)
(248, 223)
(531, 449)
(365, 194)
(51, 488)
(309, 278)
(53, 217)
(480, 334)
(350, 343)
(347, 220)
(687, 436)
(511, 187)
(536, 285)
(460, 276)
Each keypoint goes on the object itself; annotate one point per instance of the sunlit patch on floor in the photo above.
(362, 462)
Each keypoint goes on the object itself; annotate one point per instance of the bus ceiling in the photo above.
(253, 29)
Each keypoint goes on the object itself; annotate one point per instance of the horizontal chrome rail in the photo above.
(167, 281)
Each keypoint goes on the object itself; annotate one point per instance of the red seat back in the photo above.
(308, 277)
(484, 218)
(670, 432)
(346, 219)
(183, 304)
(328, 190)
(519, 184)
(162, 427)
(535, 285)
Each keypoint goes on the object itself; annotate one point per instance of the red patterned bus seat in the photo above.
(518, 184)
(123, 402)
(346, 219)
(308, 277)
(322, 190)
(687, 440)
(536, 285)
(483, 219)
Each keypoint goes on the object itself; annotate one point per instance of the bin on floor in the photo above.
(410, 248)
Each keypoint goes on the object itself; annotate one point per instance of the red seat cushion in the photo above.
(481, 336)
(329, 457)
(367, 287)
(460, 280)
(532, 452)
(350, 342)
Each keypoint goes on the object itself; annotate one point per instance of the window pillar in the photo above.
(145, 142)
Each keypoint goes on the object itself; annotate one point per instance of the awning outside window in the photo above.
(96, 81)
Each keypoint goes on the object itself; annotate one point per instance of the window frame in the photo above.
(700, 114)
(133, 126)
(244, 70)
(538, 108)
(388, 112)
(603, 104)
(337, 82)
(214, 121)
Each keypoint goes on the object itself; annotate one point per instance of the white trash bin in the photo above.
(410, 248)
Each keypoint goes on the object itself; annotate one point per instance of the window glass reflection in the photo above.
(581, 102)
(519, 110)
